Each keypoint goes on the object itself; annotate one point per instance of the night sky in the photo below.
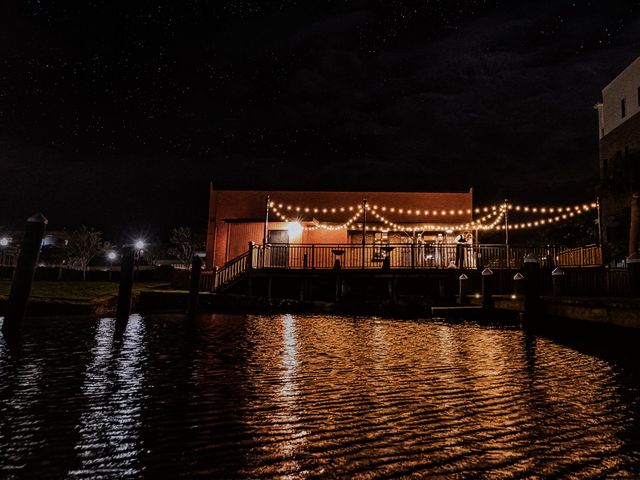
(117, 114)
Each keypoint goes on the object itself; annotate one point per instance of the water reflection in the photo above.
(295, 396)
(20, 389)
(109, 427)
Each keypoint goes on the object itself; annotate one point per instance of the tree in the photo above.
(84, 245)
(183, 245)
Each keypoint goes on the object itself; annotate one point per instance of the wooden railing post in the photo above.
(413, 256)
(313, 257)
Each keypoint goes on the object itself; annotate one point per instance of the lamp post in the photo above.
(4, 241)
(506, 230)
(266, 221)
(139, 249)
(364, 228)
(111, 256)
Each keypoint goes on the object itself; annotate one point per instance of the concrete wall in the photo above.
(619, 158)
(624, 86)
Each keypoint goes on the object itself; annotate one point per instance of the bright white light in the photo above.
(4, 241)
(111, 255)
(295, 229)
(139, 244)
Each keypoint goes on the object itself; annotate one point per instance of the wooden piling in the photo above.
(194, 286)
(532, 286)
(487, 289)
(463, 289)
(633, 264)
(24, 273)
(126, 283)
(558, 280)
(518, 284)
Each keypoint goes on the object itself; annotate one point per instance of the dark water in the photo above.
(293, 396)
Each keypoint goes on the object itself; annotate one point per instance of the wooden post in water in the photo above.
(532, 286)
(463, 289)
(194, 285)
(558, 280)
(126, 283)
(24, 272)
(633, 264)
(487, 289)
(518, 284)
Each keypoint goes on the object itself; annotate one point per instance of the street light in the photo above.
(111, 256)
(139, 245)
(4, 241)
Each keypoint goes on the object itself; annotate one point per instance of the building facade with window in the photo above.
(619, 139)
(282, 218)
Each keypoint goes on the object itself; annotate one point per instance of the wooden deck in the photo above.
(398, 258)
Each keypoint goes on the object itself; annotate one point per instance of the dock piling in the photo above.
(487, 288)
(24, 273)
(126, 283)
(518, 284)
(532, 286)
(558, 280)
(633, 264)
(463, 289)
(194, 286)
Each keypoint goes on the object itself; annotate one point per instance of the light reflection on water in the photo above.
(111, 417)
(294, 396)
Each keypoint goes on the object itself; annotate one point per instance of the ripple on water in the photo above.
(307, 396)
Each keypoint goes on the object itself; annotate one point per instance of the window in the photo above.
(623, 108)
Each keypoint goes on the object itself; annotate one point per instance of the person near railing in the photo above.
(461, 244)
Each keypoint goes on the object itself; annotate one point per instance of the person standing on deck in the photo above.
(461, 243)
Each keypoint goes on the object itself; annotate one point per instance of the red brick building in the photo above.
(237, 217)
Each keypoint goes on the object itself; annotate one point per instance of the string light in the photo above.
(494, 214)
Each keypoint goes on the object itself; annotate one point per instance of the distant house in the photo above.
(619, 134)
(237, 217)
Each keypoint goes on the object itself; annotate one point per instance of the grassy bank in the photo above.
(78, 291)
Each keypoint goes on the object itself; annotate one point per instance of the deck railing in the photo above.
(233, 269)
(395, 256)
(587, 256)
(407, 256)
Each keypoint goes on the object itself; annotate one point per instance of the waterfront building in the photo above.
(619, 139)
(283, 218)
